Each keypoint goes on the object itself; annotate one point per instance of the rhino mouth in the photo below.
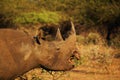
(74, 58)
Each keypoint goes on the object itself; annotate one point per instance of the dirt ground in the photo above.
(87, 73)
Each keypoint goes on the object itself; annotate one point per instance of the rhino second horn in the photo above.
(58, 35)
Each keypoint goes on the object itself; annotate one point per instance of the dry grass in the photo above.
(96, 56)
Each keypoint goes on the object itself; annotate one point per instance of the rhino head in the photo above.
(57, 54)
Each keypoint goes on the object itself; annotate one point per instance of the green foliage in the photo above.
(41, 17)
(78, 62)
(9, 9)
(94, 12)
(88, 12)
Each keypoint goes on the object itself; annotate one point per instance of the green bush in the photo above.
(41, 17)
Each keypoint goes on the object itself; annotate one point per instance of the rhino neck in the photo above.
(26, 60)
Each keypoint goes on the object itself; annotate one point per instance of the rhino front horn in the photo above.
(58, 35)
(72, 28)
(72, 34)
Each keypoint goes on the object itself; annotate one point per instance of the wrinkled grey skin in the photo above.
(20, 53)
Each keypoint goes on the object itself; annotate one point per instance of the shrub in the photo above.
(93, 38)
(81, 39)
(41, 17)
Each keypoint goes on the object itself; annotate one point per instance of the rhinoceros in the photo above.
(19, 52)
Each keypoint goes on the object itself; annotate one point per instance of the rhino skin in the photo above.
(20, 53)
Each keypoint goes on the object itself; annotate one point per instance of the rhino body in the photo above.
(20, 53)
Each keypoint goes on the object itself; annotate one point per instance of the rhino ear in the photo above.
(58, 36)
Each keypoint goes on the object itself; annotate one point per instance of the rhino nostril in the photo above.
(76, 55)
(73, 66)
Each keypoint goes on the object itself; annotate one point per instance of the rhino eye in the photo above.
(36, 39)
